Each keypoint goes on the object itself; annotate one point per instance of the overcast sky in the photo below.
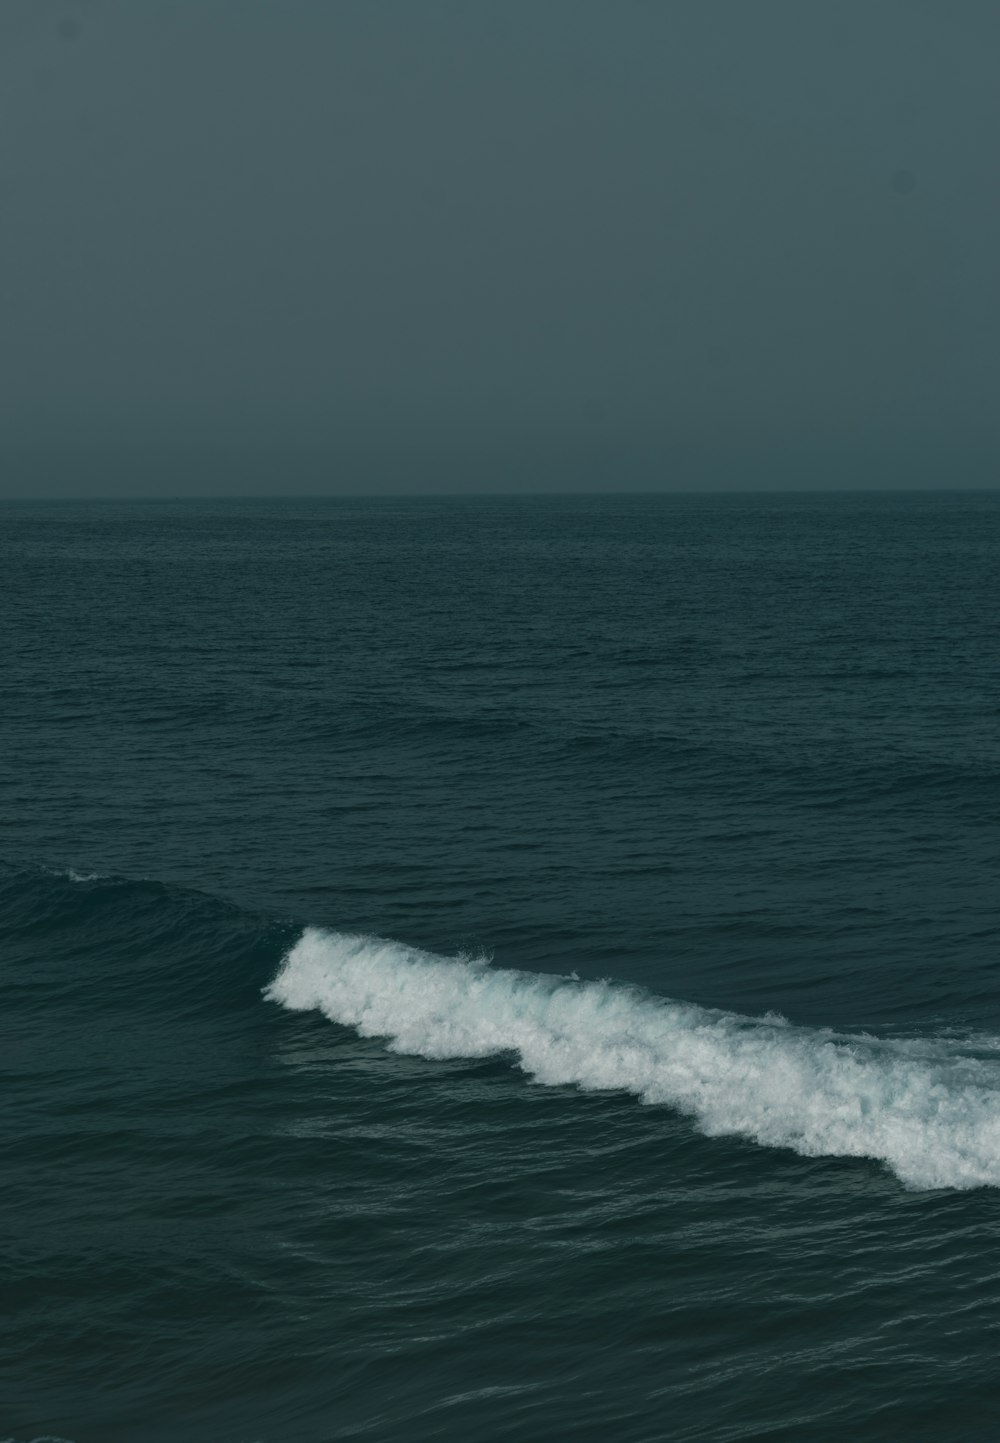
(496, 244)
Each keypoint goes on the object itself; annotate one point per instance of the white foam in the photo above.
(928, 1109)
(71, 875)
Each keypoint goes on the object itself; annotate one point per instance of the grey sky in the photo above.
(255, 244)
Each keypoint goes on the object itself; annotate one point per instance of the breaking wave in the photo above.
(929, 1109)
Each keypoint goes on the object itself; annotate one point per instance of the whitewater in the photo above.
(928, 1108)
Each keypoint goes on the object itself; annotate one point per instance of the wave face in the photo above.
(928, 1109)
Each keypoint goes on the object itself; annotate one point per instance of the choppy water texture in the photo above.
(501, 969)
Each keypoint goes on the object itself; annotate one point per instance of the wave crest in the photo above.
(927, 1109)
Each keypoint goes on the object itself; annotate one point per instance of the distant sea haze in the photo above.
(501, 968)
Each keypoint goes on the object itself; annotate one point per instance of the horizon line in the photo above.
(514, 494)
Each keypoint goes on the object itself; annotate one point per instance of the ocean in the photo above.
(501, 969)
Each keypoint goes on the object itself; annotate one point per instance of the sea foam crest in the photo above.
(927, 1109)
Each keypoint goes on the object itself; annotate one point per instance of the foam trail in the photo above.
(927, 1109)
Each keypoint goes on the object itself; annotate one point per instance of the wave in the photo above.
(929, 1109)
(132, 943)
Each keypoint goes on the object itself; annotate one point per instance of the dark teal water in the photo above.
(671, 1110)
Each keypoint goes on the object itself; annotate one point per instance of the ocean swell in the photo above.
(929, 1109)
